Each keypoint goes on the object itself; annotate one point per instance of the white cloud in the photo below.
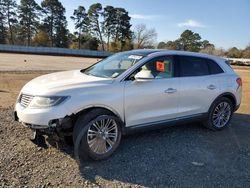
(191, 23)
(143, 17)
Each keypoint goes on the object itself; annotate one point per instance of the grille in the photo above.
(25, 99)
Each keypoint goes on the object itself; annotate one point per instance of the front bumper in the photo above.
(39, 118)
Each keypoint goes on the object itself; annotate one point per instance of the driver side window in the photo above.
(160, 68)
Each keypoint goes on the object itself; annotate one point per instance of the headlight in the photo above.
(45, 102)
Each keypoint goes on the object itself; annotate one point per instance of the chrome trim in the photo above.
(32, 126)
(25, 100)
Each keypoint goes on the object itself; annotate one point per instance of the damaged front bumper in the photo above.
(43, 118)
(61, 126)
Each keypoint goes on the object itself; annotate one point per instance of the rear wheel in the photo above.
(97, 134)
(220, 114)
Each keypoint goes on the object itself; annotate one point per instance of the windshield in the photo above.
(113, 66)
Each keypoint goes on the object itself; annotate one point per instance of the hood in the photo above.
(56, 82)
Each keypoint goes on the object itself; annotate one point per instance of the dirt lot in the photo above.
(24, 62)
(180, 156)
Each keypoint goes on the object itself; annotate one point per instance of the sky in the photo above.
(225, 23)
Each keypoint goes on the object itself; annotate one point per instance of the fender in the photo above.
(100, 106)
(226, 94)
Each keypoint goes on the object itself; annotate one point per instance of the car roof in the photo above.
(143, 52)
(149, 52)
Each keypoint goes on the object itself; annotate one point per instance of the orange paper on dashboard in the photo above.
(160, 66)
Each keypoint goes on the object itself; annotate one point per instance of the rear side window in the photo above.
(193, 66)
(214, 68)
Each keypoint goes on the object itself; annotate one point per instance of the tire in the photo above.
(92, 139)
(217, 118)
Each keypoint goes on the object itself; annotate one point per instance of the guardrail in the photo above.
(52, 51)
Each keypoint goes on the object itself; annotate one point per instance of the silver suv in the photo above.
(130, 91)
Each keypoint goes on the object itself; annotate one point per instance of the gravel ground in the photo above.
(24, 164)
(180, 156)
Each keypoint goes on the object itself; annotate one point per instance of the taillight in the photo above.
(239, 82)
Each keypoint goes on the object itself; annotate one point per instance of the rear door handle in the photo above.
(170, 90)
(211, 87)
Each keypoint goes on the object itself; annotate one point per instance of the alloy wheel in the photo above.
(222, 114)
(102, 135)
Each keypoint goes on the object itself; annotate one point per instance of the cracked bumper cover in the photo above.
(41, 118)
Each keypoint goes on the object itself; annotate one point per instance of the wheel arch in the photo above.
(230, 96)
(86, 109)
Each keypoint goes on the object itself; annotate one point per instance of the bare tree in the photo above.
(143, 37)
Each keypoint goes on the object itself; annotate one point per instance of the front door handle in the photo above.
(170, 90)
(211, 87)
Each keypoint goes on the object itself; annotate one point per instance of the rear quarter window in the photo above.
(214, 68)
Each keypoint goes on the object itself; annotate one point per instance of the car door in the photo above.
(198, 88)
(153, 100)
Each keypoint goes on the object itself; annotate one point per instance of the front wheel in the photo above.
(97, 135)
(220, 114)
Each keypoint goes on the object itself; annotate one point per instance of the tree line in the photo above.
(98, 28)
(32, 24)
(105, 28)
(191, 41)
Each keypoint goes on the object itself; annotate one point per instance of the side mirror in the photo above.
(144, 75)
